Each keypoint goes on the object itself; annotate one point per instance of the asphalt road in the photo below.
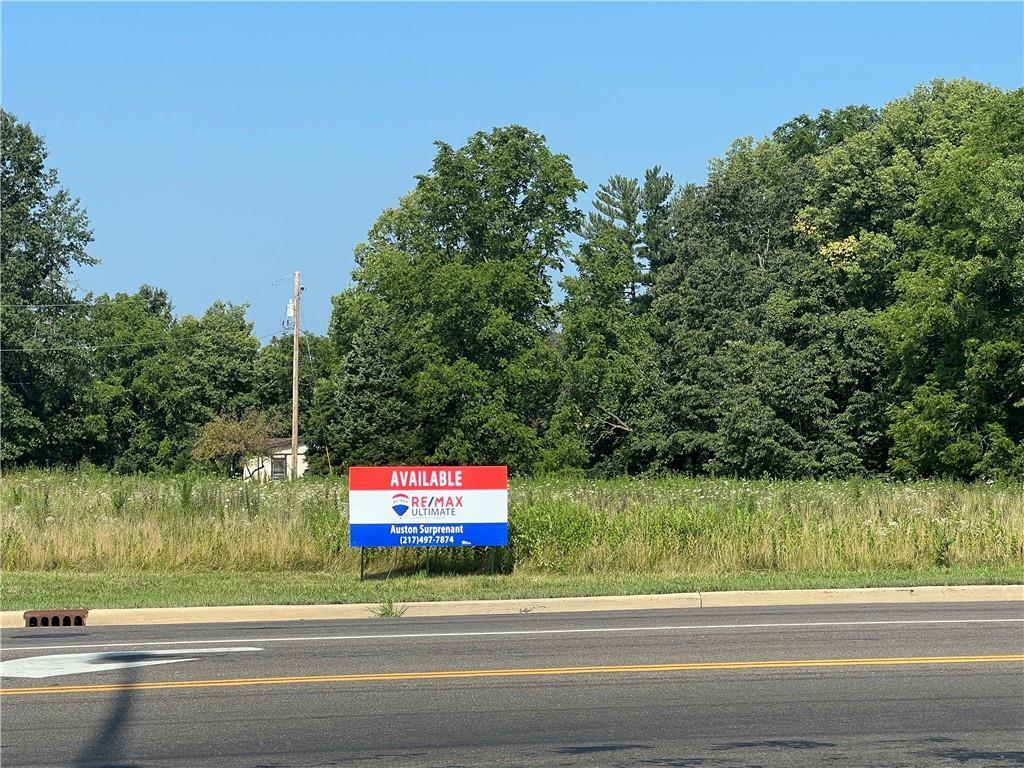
(894, 686)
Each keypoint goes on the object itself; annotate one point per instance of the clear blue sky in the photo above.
(219, 147)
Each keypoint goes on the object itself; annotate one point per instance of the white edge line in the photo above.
(518, 633)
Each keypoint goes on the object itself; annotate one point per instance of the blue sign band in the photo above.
(428, 534)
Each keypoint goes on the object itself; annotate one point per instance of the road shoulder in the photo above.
(696, 600)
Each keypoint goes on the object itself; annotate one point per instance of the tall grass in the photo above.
(88, 521)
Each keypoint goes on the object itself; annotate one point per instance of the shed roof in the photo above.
(278, 443)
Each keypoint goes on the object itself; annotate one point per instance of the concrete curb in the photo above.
(255, 613)
(865, 596)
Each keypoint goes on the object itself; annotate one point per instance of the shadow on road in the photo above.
(594, 748)
(964, 756)
(106, 748)
(781, 743)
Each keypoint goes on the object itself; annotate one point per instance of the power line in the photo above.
(86, 347)
(309, 356)
(96, 347)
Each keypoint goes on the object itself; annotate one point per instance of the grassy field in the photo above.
(95, 539)
(146, 589)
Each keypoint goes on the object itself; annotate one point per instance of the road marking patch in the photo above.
(84, 663)
(525, 672)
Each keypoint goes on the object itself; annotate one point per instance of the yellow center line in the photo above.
(522, 672)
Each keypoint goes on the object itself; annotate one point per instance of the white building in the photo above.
(276, 466)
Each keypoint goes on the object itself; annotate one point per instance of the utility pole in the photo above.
(295, 377)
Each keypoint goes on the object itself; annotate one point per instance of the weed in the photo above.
(118, 498)
(388, 608)
(186, 483)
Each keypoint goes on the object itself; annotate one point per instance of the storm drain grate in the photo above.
(73, 618)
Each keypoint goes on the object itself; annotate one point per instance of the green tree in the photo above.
(956, 328)
(273, 376)
(44, 369)
(640, 215)
(805, 136)
(208, 370)
(864, 190)
(127, 417)
(155, 380)
(768, 369)
(156, 392)
(604, 417)
(460, 272)
(228, 441)
(365, 411)
(919, 215)
(655, 240)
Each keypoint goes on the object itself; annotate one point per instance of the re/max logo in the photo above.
(451, 502)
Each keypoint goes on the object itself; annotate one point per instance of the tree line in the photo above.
(842, 297)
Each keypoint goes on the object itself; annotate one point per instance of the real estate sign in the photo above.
(428, 506)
